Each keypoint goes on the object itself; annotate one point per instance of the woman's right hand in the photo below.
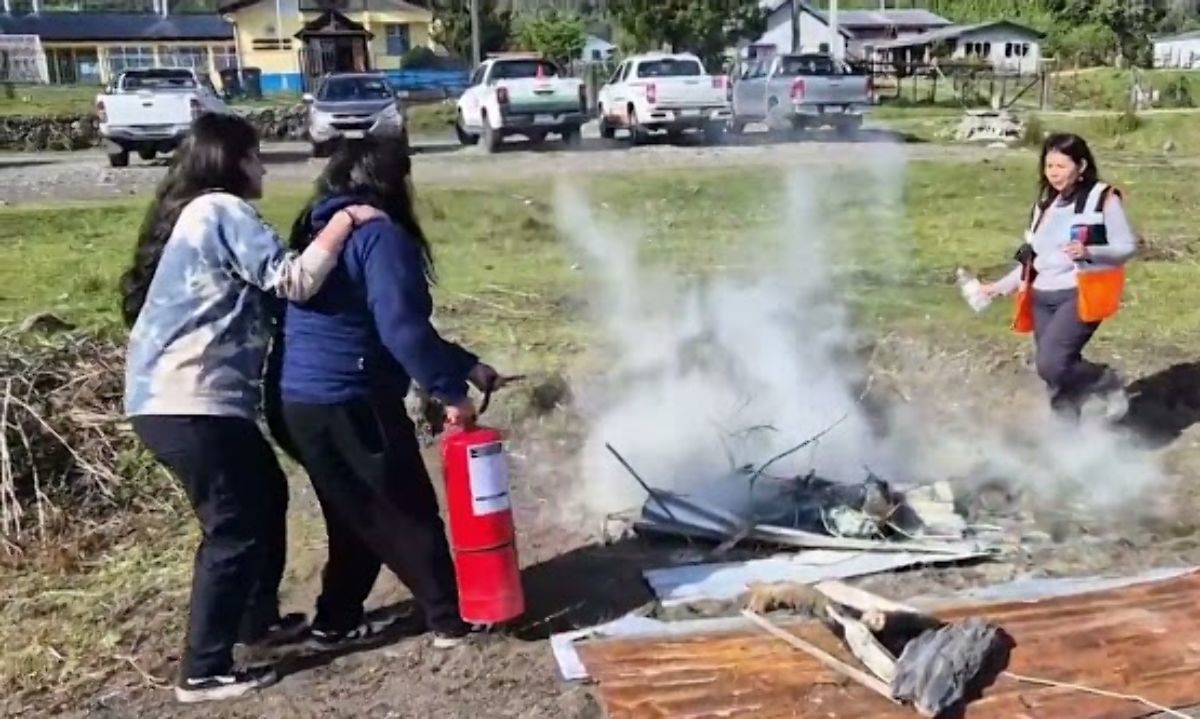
(364, 213)
(461, 414)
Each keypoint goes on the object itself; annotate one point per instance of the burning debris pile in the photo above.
(805, 512)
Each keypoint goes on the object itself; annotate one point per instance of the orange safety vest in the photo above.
(1099, 287)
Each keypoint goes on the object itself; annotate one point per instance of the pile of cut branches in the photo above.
(65, 449)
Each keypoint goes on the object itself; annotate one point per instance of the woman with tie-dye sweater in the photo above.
(201, 297)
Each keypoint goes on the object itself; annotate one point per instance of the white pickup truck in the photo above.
(661, 92)
(150, 111)
(520, 94)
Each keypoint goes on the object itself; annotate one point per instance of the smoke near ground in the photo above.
(710, 371)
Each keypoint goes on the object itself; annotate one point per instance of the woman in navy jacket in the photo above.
(348, 356)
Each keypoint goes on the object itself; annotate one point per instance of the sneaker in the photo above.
(326, 640)
(224, 687)
(289, 629)
(452, 636)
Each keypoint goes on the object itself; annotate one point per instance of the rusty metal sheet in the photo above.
(1142, 640)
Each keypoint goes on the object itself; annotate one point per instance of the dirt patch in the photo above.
(574, 578)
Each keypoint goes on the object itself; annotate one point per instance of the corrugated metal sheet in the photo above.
(83, 26)
(1142, 640)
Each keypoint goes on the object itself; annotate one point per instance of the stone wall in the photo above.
(31, 133)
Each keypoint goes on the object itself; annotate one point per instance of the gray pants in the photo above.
(1060, 337)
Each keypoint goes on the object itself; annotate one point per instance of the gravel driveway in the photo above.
(85, 175)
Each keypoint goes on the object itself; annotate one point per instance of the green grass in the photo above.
(431, 119)
(81, 99)
(1144, 134)
(510, 288)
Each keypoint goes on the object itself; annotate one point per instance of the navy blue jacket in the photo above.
(371, 316)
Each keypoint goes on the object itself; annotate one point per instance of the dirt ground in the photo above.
(572, 577)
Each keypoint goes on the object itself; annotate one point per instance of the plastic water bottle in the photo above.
(972, 290)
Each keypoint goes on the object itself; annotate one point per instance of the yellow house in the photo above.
(294, 41)
(91, 48)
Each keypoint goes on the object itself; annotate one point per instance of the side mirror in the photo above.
(308, 98)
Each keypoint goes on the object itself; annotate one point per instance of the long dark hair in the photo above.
(1076, 148)
(209, 159)
(374, 171)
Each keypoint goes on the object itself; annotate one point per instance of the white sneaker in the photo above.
(224, 687)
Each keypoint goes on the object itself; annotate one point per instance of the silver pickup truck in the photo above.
(800, 91)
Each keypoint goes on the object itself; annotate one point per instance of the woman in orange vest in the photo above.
(1070, 273)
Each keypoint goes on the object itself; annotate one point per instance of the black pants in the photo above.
(1060, 337)
(239, 494)
(379, 506)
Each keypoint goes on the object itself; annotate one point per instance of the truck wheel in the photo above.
(638, 135)
(537, 138)
(464, 138)
(714, 133)
(119, 159)
(572, 136)
(491, 136)
(607, 131)
(737, 127)
(147, 154)
(320, 149)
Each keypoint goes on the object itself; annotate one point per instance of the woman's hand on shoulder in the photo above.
(361, 214)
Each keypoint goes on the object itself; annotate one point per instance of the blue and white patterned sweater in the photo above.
(200, 341)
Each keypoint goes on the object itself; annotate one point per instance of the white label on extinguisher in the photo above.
(488, 467)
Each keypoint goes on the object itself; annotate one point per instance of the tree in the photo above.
(557, 36)
(704, 27)
(452, 26)
(1087, 45)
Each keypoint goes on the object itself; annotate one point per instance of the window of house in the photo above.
(224, 56)
(979, 49)
(398, 41)
(270, 43)
(129, 57)
(1016, 49)
(193, 56)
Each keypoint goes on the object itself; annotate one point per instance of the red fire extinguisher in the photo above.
(482, 537)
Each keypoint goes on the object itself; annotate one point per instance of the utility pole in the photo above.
(476, 45)
(835, 44)
(795, 25)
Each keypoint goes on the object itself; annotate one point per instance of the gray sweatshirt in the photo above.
(199, 343)
(1055, 270)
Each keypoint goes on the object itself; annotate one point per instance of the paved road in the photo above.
(47, 177)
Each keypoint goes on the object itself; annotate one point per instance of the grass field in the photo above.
(512, 288)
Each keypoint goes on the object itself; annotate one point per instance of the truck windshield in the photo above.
(669, 67)
(159, 80)
(342, 89)
(795, 65)
(523, 69)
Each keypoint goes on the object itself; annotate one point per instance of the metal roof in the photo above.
(863, 19)
(76, 26)
(1142, 639)
(953, 33)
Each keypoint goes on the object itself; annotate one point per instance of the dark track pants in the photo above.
(379, 505)
(239, 494)
(1060, 337)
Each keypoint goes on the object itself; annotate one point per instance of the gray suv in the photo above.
(349, 106)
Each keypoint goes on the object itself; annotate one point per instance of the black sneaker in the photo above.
(452, 636)
(288, 629)
(224, 687)
(327, 640)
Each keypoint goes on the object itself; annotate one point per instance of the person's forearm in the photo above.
(302, 277)
(1009, 283)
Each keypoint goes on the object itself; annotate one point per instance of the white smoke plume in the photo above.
(720, 371)
(705, 374)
